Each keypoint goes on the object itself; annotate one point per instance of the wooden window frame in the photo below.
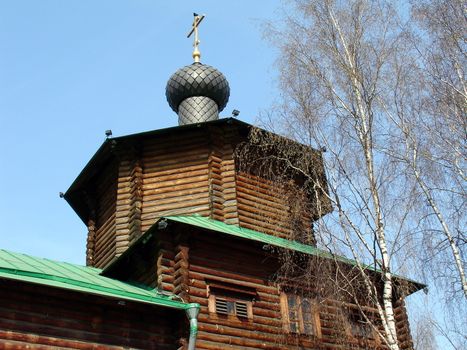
(300, 322)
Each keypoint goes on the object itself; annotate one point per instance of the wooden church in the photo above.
(184, 248)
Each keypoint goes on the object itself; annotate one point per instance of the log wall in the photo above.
(402, 324)
(103, 233)
(222, 175)
(272, 208)
(232, 262)
(33, 317)
(262, 206)
(175, 177)
(129, 199)
(185, 265)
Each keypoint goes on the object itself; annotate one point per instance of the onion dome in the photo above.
(198, 93)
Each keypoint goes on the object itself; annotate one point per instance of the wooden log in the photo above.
(156, 177)
(238, 341)
(201, 273)
(184, 168)
(177, 182)
(239, 331)
(171, 203)
(149, 218)
(173, 192)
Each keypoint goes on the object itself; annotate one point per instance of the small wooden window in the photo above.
(237, 308)
(230, 300)
(300, 314)
(358, 325)
(229, 305)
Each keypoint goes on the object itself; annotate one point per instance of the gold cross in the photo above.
(197, 20)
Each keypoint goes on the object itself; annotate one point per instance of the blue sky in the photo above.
(69, 70)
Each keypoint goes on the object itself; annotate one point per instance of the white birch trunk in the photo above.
(446, 231)
(364, 134)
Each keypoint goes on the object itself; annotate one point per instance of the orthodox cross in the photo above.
(194, 29)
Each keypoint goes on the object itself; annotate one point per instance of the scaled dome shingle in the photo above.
(197, 79)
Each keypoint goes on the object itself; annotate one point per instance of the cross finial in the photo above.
(194, 29)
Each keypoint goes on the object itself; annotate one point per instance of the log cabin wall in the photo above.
(270, 207)
(175, 176)
(195, 172)
(129, 199)
(273, 196)
(222, 185)
(261, 205)
(186, 266)
(102, 228)
(402, 324)
(58, 319)
(232, 263)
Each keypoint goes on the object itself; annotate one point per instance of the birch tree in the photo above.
(430, 116)
(438, 164)
(381, 87)
(335, 71)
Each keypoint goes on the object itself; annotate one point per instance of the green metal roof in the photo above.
(22, 267)
(218, 226)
